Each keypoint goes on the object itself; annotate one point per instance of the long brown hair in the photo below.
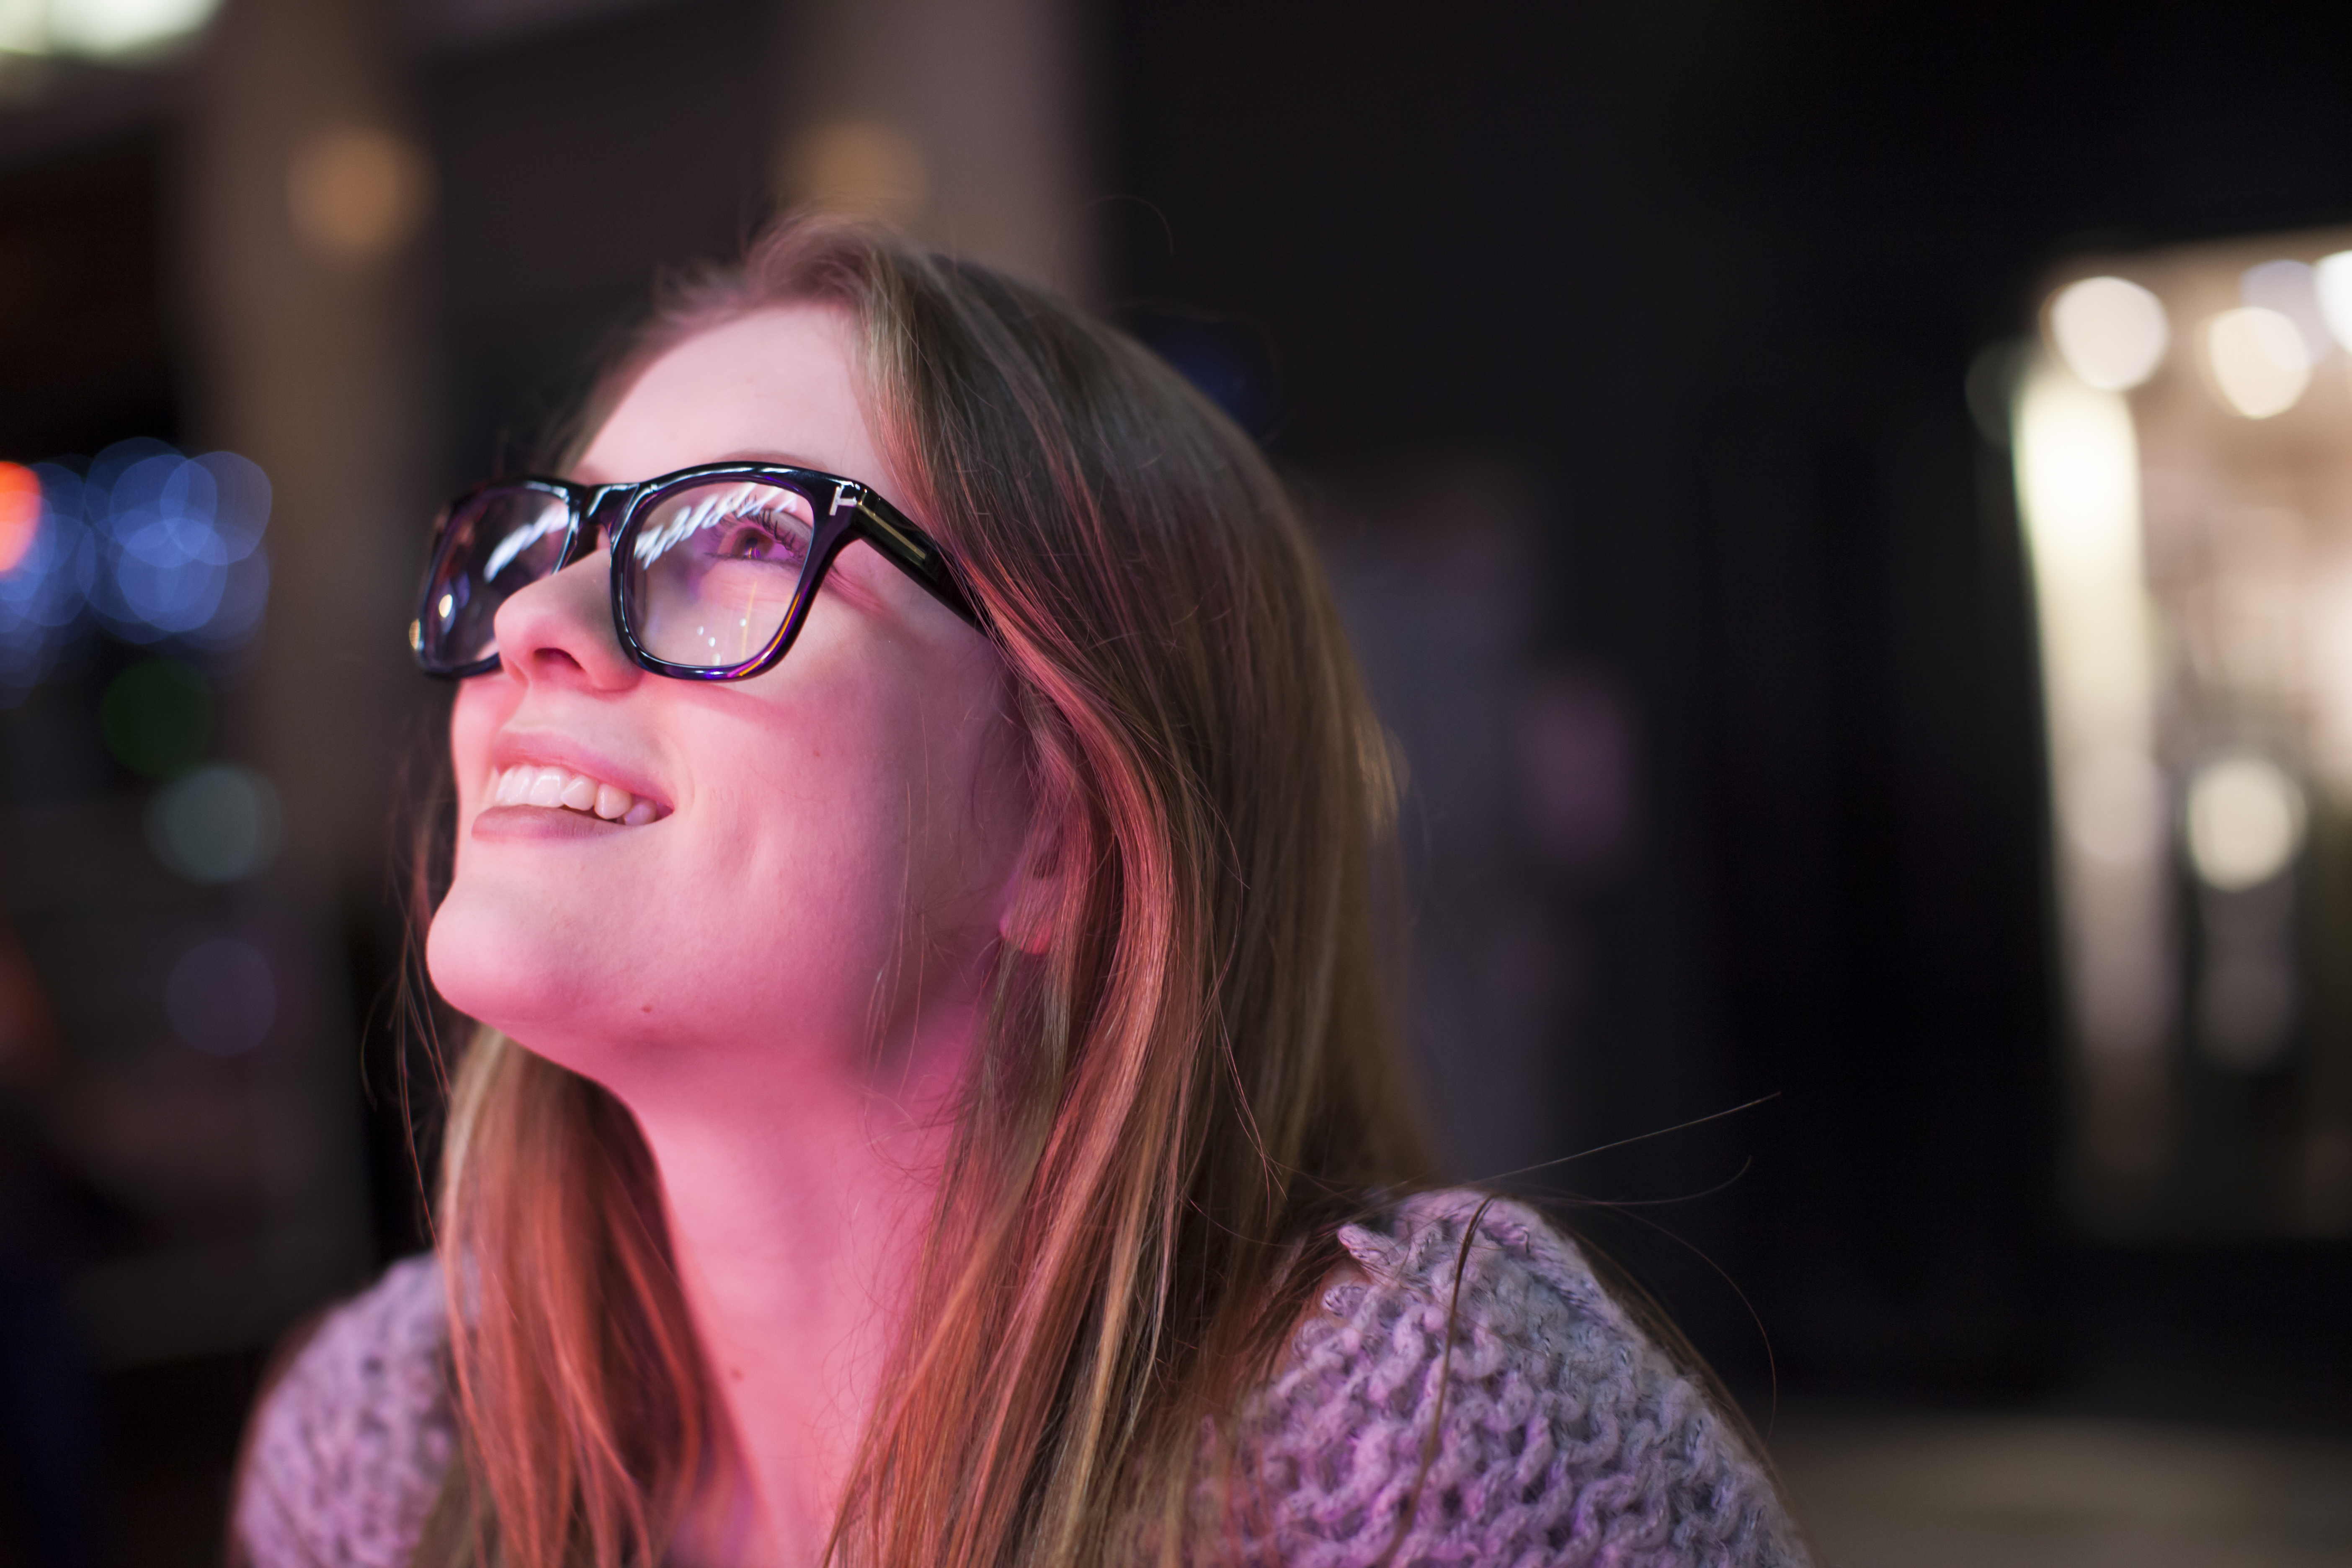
(1176, 1098)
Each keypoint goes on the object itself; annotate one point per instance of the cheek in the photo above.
(483, 704)
(471, 946)
(863, 801)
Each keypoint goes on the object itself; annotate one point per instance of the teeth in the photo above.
(532, 784)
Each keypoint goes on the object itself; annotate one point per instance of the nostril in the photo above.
(552, 658)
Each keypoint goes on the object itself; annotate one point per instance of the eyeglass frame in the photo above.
(614, 512)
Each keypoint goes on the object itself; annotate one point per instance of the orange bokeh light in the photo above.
(20, 513)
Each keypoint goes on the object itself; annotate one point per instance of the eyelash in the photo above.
(780, 524)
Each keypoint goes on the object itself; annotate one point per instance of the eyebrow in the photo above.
(787, 459)
(589, 474)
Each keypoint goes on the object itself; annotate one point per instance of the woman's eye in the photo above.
(762, 536)
(737, 522)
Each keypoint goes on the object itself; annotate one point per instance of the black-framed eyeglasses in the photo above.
(714, 567)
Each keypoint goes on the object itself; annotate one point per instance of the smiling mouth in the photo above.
(532, 784)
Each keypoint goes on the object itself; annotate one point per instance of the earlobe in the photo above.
(1032, 901)
(1032, 912)
(1029, 910)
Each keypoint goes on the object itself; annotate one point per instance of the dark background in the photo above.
(1688, 292)
(1710, 278)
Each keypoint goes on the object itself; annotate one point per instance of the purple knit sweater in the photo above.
(1565, 1437)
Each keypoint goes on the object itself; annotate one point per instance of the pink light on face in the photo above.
(20, 513)
(795, 850)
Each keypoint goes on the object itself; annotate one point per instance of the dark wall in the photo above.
(81, 233)
(1710, 278)
(572, 166)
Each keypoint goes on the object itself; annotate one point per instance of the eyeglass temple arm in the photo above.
(912, 549)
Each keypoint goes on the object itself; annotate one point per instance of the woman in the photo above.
(936, 1101)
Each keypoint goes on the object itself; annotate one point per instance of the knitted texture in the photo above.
(1563, 1436)
(347, 1451)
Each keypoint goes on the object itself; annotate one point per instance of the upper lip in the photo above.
(514, 748)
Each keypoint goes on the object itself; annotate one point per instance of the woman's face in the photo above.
(833, 843)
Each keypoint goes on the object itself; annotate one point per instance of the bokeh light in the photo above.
(2291, 288)
(104, 29)
(157, 718)
(2244, 822)
(43, 597)
(20, 513)
(157, 548)
(221, 997)
(2258, 359)
(2111, 332)
(218, 823)
(858, 168)
(2331, 279)
(181, 541)
(358, 192)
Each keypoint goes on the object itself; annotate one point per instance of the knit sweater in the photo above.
(1563, 1435)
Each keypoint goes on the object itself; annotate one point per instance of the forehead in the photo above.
(778, 384)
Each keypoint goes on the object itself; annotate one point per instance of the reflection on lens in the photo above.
(497, 545)
(713, 570)
(522, 531)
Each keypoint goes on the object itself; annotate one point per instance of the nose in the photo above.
(560, 629)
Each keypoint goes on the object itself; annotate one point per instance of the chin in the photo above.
(499, 970)
(499, 959)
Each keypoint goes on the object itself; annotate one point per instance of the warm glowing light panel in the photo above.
(2182, 441)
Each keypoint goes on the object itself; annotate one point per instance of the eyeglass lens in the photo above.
(496, 544)
(710, 575)
(713, 569)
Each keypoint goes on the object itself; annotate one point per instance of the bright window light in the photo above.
(2079, 494)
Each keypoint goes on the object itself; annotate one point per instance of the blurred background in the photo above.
(1847, 509)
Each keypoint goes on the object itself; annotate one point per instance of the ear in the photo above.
(1033, 896)
(1038, 888)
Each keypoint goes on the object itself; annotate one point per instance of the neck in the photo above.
(797, 1217)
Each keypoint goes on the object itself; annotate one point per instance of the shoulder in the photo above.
(347, 1449)
(1561, 1434)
